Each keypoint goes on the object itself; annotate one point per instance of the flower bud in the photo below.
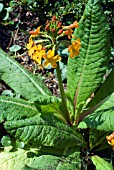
(53, 30)
(54, 18)
(47, 28)
(59, 24)
(47, 21)
(60, 31)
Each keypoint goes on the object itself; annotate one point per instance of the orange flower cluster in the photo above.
(47, 50)
(110, 140)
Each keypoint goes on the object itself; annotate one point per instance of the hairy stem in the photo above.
(63, 97)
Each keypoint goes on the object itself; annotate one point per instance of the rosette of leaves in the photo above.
(36, 120)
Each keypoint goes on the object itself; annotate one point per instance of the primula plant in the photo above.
(75, 131)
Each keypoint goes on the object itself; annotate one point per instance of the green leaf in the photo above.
(85, 72)
(104, 90)
(14, 109)
(46, 162)
(13, 160)
(49, 104)
(101, 163)
(44, 130)
(19, 79)
(97, 140)
(103, 117)
(43, 100)
(15, 48)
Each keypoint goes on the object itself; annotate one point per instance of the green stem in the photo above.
(63, 97)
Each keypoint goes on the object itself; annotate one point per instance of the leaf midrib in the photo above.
(81, 77)
(19, 104)
(105, 166)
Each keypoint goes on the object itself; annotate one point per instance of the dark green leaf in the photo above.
(44, 130)
(85, 72)
(103, 117)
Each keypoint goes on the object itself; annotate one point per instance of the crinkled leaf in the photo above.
(46, 162)
(49, 104)
(13, 109)
(13, 160)
(100, 163)
(43, 100)
(19, 79)
(85, 72)
(45, 130)
(103, 117)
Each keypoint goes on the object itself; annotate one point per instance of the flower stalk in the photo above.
(63, 97)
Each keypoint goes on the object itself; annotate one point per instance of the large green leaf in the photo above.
(85, 72)
(105, 90)
(52, 162)
(14, 109)
(44, 130)
(13, 160)
(34, 159)
(103, 117)
(101, 163)
(19, 79)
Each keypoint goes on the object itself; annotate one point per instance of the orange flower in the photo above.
(35, 32)
(74, 48)
(51, 59)
(68, 32)
(111, 143)
(74, 25)
(110, 140)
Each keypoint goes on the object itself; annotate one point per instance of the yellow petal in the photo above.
(112, 141)
(30, 44)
